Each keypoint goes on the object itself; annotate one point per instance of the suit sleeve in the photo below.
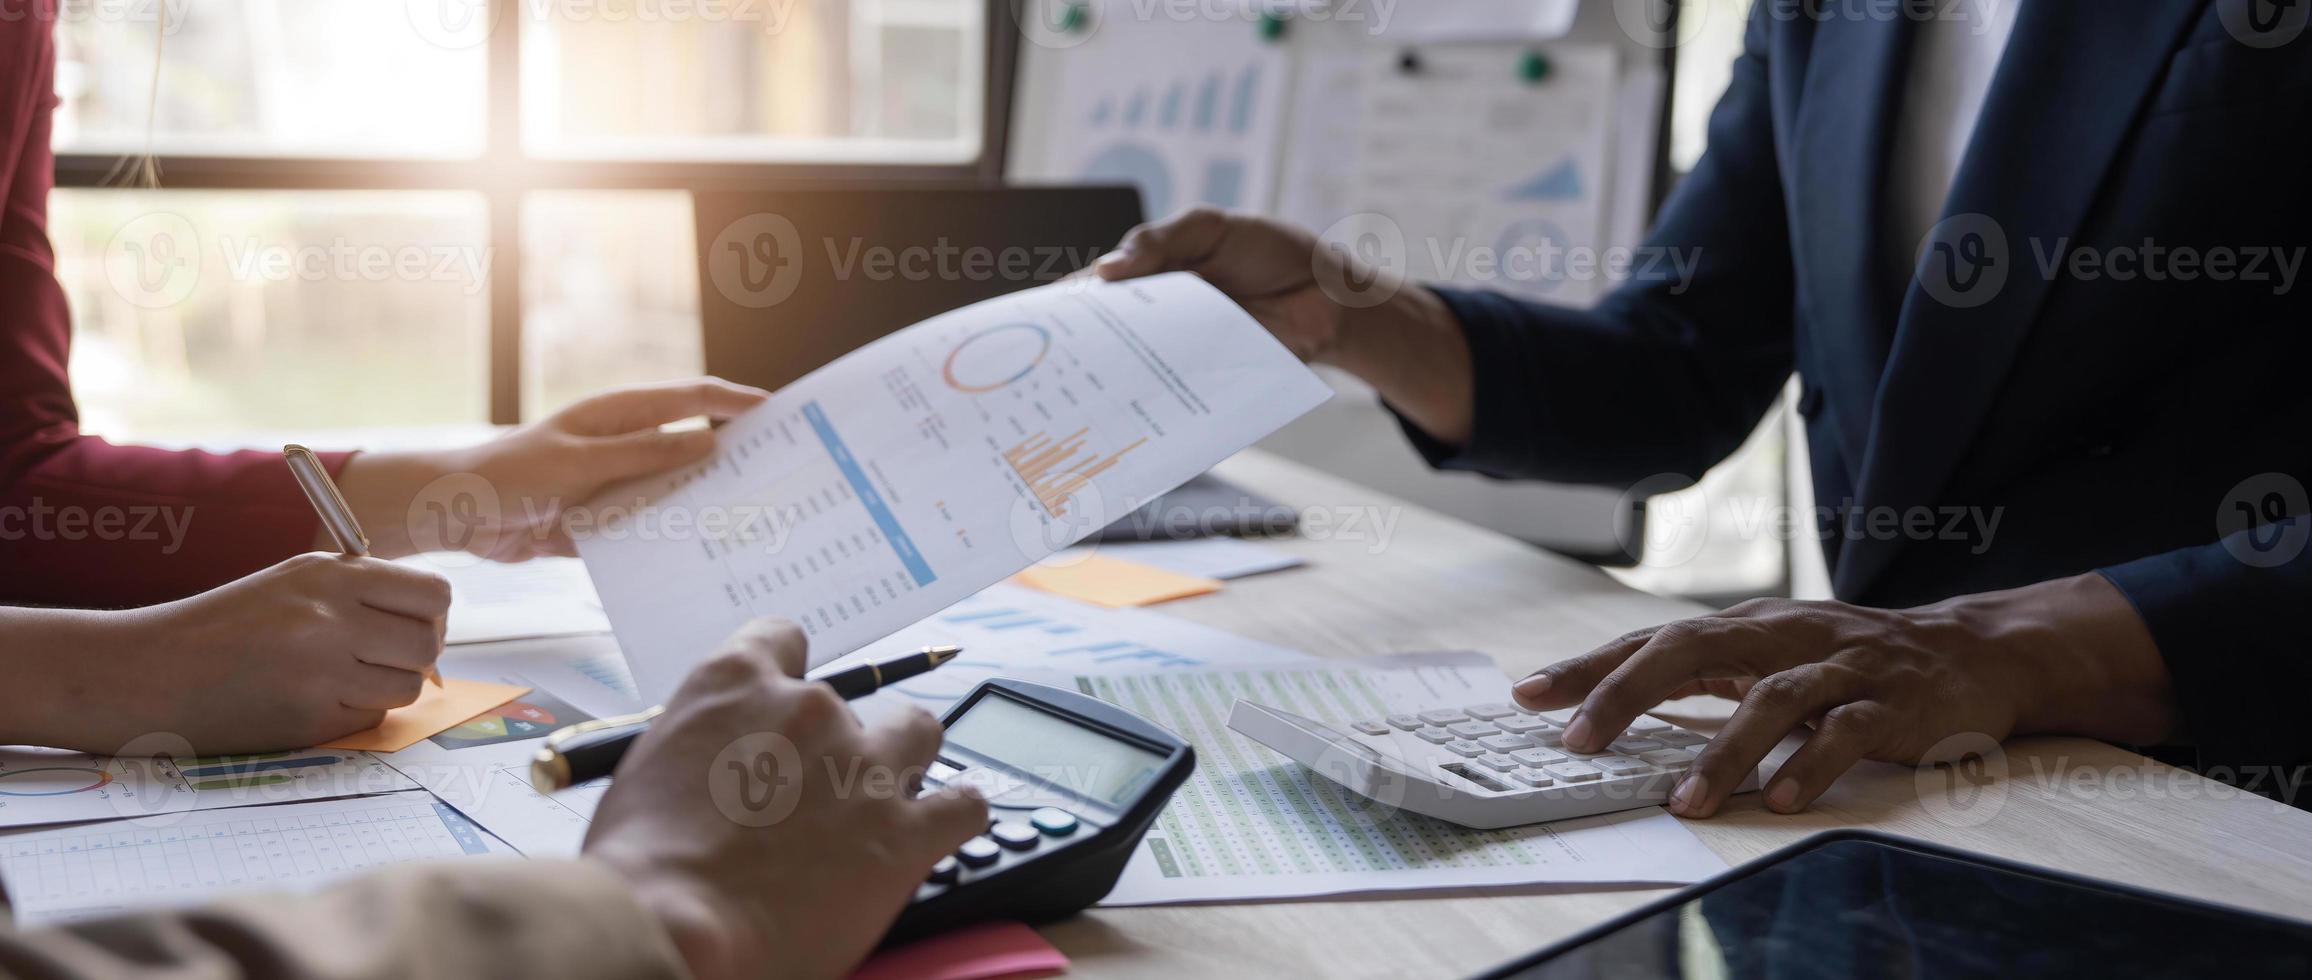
(2226, 619)
(1671, 371)
(484, 918)
(84, 522)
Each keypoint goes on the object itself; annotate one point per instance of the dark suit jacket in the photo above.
(2113, 424)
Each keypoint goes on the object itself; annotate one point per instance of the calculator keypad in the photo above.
(1012, 838)
(978, 852)
(1054, 821)
(1572, 772)
(1503, 747)
(1472, 729)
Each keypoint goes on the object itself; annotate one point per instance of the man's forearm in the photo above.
(1411, 350)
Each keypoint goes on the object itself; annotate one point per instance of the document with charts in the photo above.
(933, 462)
(1251, 824)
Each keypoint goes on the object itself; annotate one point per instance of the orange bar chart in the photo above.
(1039, 461)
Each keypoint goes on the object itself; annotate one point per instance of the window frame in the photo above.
(505, 173)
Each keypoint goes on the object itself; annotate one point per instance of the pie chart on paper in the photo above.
(996, 357)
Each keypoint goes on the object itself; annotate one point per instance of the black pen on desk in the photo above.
(336, 514)
(589, 750)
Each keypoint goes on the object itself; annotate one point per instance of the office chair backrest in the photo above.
(792, 279)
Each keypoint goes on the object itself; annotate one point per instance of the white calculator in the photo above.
(1482, 765)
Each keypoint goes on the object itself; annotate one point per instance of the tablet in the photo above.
(1856, 904)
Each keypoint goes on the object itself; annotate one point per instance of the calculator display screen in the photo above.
(1082, 760)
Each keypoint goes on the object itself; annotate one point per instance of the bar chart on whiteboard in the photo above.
(933, 462)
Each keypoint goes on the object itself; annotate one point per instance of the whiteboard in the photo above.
(1463, 156)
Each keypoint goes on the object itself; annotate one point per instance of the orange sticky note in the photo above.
(981, 952)
(436, 710)
(1114, 582)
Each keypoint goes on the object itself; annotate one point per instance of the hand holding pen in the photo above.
(336, 515)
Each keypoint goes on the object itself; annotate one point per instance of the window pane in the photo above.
(271, 77)
(1712, 39)
(609, 293)
(823, 80)
(204, 312)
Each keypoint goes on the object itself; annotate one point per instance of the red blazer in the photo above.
(84, 522)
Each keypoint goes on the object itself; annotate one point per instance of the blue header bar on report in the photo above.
(868, 496)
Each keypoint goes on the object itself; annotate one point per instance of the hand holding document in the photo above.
(934, 462)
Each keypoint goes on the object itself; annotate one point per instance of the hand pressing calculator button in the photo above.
(1054, 821)
(1072, 782)
(1016, 836)
(978, 852)
(1519, 773)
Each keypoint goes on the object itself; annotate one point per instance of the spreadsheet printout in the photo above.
(1251, 824)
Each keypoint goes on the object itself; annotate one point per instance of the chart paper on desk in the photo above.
(1251, 824)
(43, 786)
(91, 870)
(1014, 631)
(935, 461)
(483, 767)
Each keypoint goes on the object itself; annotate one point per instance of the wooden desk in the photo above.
(1439, 584)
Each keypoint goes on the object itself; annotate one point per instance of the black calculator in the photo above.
(1072, 784)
